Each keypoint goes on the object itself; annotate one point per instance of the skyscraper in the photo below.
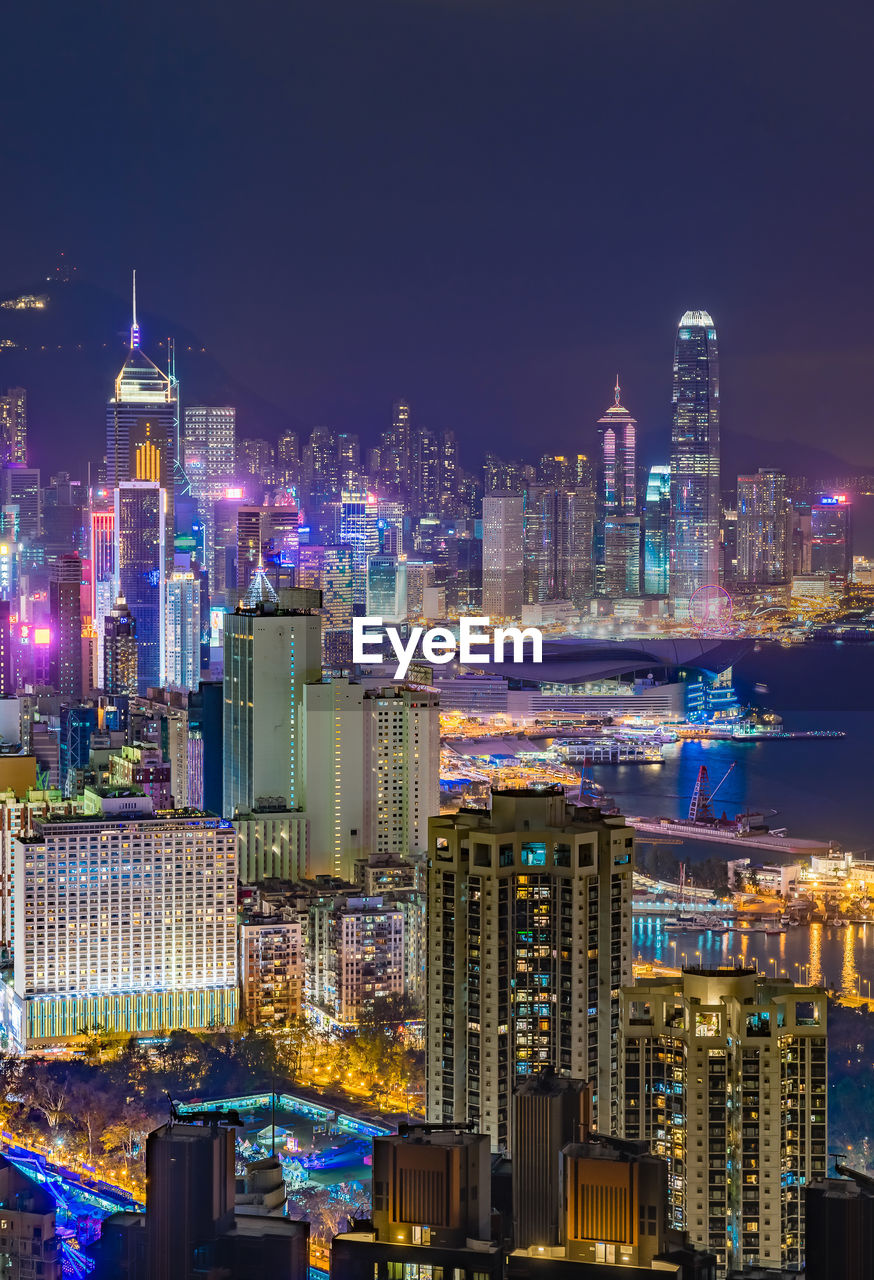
(210, 465)
(65, 608)
(182, 631)
(142, 420)
(657, 525)
(724, 1072)
(694, 540)
(763, 528)
(13, 428)
(120, 651)
(831, 541)
(270, 654)
(140, 558)
(387, 588)
(529, 942)
(21, 489)
(358, 530)
(617, 479)
(503, 577)
(102, 550)
(372, 772)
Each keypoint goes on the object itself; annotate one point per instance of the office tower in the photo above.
(358, 530)
(248, 544)
(387, 588)
(694, 537)
(120, 662)
(839, 1217)
(355, 956)
(65, 610)
(13, 428)
(30, 1245)
(617, 480)
(210, 449)
(21, 489)
(270, 654)
(321, 481)
(372, 772)
(101, 544)
(140, 558)
(337, 578)
(657, 525)
(549, 1111)
(432, 1198)
(142, 424)
(272, 970)
(831, 538)
(503, 579)
(558, 543)
(763, 528)
(141, 939)
(182, 639)
(254, 457)
(223, 556)
(724, 1073)
(621, 564)
(529, 941)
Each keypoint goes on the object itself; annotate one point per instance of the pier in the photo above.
(792, 845)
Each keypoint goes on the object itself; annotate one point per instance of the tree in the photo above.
(48, 1086)
(92, 1110)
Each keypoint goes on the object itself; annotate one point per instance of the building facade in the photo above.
(529, 943)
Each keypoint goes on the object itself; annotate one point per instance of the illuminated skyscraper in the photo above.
(270, 653)
(65, 608)
(140, 533)
(763, 528)
(21, 489)
(831, 541)
(529, 942)
(182, 640)
(142, 421)
(358, 530)
(694, 538)
(617, 480)
(657, 525)
(13, 428)
(503, 575)
(210, 463)
(120, 651)
(723, 1072)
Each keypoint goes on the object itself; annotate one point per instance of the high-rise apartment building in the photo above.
(124, 922)
(724, 1072)
(13, 428)
(272, 970)
(65, 611)
(529, 943)
(270, 654)
(694, 539)
(763, 528)
(120, 661)
(182, 630)
(372, 772)
(140, 558)
(503, 556)
(657, 525)
(355, 956)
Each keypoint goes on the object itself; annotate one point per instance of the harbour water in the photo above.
(819, 788)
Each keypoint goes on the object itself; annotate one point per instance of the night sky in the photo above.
(488, 206)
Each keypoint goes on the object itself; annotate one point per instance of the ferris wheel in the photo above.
(710, 606)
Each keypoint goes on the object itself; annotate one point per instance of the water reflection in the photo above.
(822, 955)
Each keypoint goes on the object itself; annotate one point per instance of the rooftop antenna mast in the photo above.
(134, 327)
(180, 479)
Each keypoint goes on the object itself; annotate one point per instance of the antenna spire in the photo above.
(134, 328)
(617, 394)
